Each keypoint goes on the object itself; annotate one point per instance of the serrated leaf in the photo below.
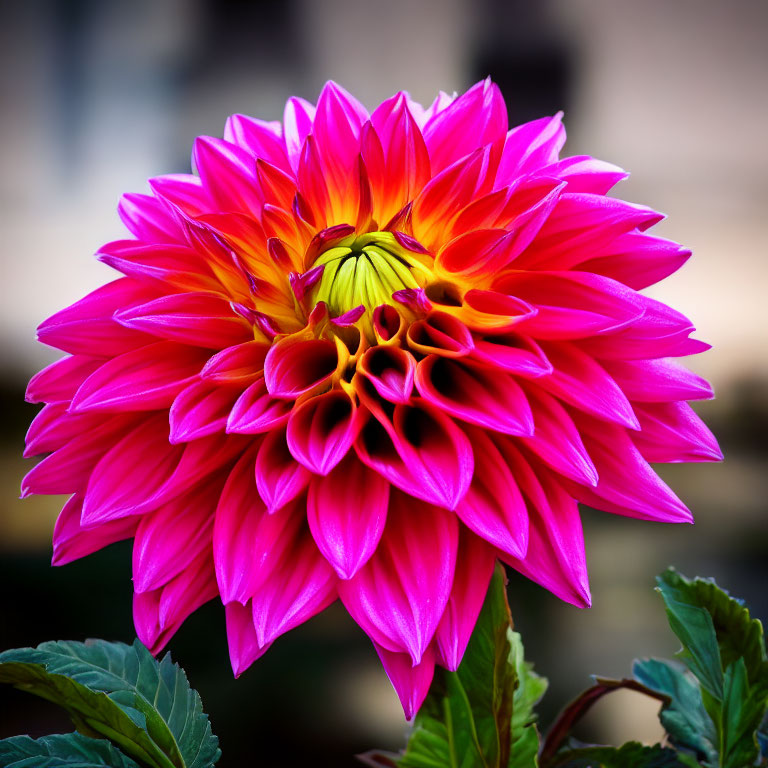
(466, 720)
(528, 692)
(630, 755)
(122, 693)
(684, 718)
(69, 750)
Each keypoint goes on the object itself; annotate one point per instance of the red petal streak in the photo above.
(441, 334)
(476, 393)
(400, 594)
(257, 411)
(279, 477)
(199, 319)
(672, 432)
(390, 369)
(411, 682)
(494, 508)
(168, 540)
(580, 381)
(142, 380)
(71, 541)
(244, 646)
(202, 409)
(474, 568)
(241, 363)
(322, 430)
(346, 511)
(293, 368)
(555, 557)
(59, 381)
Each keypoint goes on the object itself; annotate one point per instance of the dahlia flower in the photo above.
(360, 357)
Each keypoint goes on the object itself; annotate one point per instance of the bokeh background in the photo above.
(97, 95)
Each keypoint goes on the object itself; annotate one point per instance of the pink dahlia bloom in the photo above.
(360, 357)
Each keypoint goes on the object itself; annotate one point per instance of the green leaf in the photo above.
(469, 717)
(529, 691)
(70, 750)
(630, 755)
(725, 649)
(119, 692)
(684, 718)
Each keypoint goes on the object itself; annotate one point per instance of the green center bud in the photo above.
(366, 271)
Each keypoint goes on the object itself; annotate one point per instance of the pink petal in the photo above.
(148, 219)
(400, 594)
(262, 139)
(657, 380)
(586, 174)
(71, 541)
(476, 393)
(672, 432)
(241, 363)
(183, 190)
(244, 647)
(143, 380)
(279, 477)
(59, 381)
(54, 427)
(346, 511)
(441, 334)
(410, 681)
(199, 319)
(555, 557)
(579, 380)
(257, 411)
(494, 508)
(169, 539)
(477, 253)
(292, 367)
(322, 430)
(202, 409)
(390, 369)
(474, 567)
(513, 352)
(529, 147)
(297, 120)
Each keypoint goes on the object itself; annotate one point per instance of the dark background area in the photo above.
(97, 96)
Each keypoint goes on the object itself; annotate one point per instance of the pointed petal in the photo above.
(241, 363)
(346, 511)
(148, 218)
(400, 594)
(293, 368)
(411, 682)
(391, 370)
(529, 147)
(279, 477)
(202, 409)
(59, 381)
(257, 411)
(652, 381)
(244, 646)
(513, 352)
(297, 120)
(261, 138)
(441, 334)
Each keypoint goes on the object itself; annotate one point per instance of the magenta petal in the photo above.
(400, 594)
(391, 370)
(59, 381)
(441, 334)
(241, 363)
(474, 568)
(493, 507)
(148, 218)
(71, 541)
(514, 353)
(169, 539)
(132, 471)
(257, 411)
(297, 119)
(476, 393)
(555, 557)
(199, 319)
(262, 139)
(580, 381)
(556, 441)
(292, 367)
(279, 477)
(322, 430)
(346, 511)
(651, 381)
(586, 174)
(202, 409)
(529, 147)
(672, 432)
(244, 647)
(628, 485)
(143, 380)
(410, 681)
(293, 588)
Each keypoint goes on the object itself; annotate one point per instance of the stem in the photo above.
(581, 705)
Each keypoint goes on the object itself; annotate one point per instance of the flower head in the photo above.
(361, 357)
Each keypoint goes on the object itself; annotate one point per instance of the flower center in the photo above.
(366, 271)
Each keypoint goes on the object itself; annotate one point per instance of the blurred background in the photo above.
(97, 95)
